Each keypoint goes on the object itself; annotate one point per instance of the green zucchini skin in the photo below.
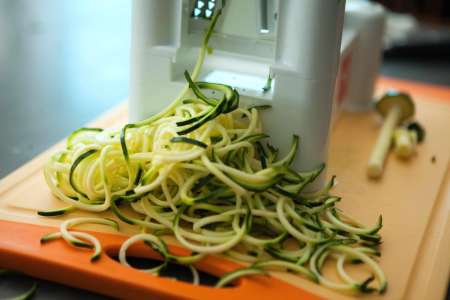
(75, 164)
(227, 104)
(56, 212)
(186, 140)
(79, 131)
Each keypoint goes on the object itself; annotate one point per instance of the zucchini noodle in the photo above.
(203, 172)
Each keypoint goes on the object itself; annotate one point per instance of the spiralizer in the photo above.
(295, 42)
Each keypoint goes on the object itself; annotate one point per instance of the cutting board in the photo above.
(412, 196)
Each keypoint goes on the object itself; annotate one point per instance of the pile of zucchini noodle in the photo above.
(202, 171)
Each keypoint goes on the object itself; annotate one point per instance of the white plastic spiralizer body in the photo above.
(297, 42)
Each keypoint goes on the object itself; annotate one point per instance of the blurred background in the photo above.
(63, 62)
(417, 42)
(436, 11)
